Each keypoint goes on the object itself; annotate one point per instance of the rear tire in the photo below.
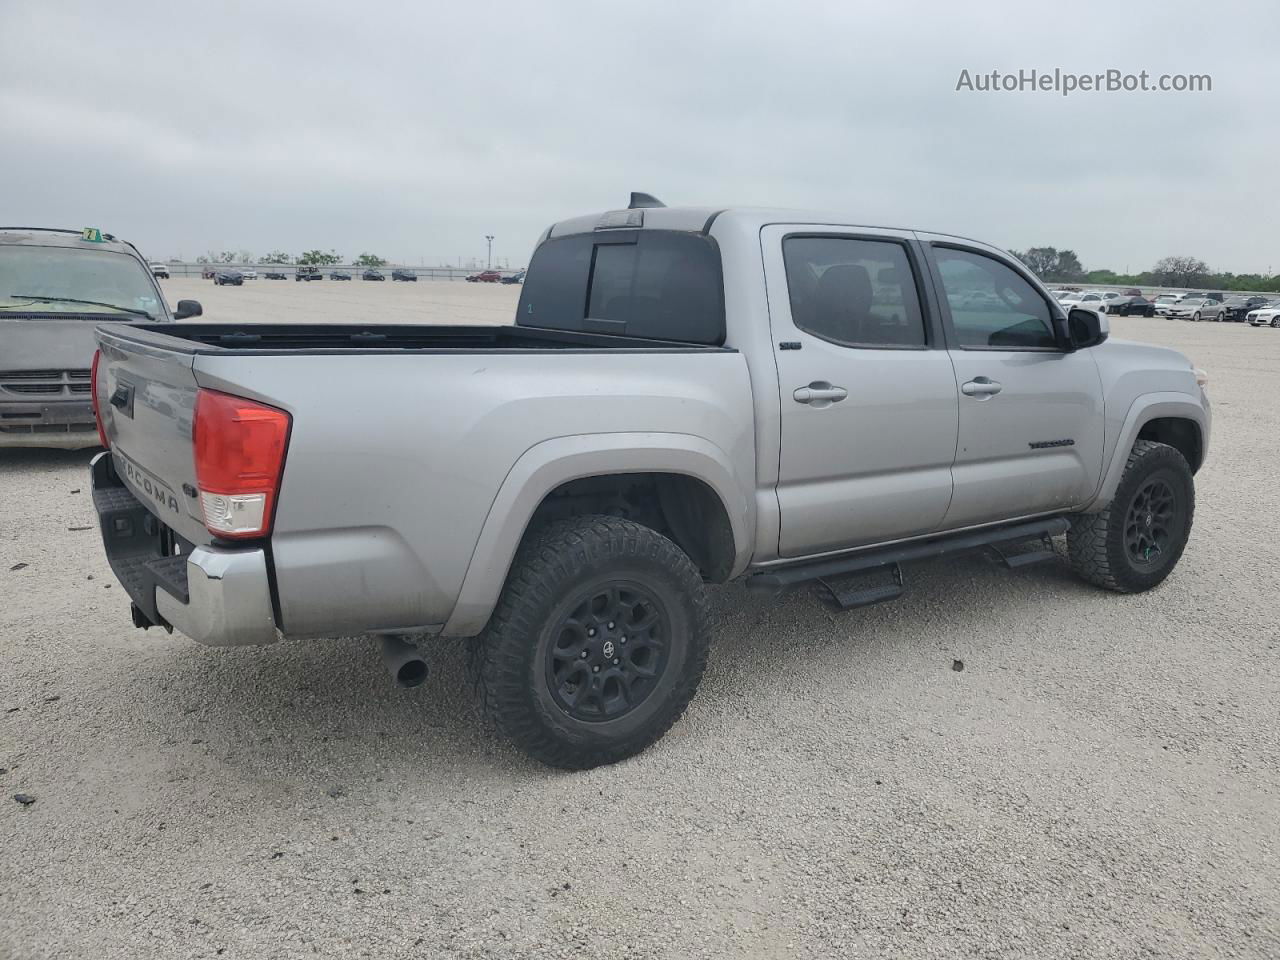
(598, 642)
(1137, 540)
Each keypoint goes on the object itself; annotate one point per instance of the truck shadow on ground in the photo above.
(332, 703)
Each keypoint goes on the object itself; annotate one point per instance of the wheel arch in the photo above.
(1171, 418)
(697, 491)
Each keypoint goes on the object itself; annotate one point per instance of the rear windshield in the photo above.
(659, 284)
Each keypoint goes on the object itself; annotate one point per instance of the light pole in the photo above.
(489, 237)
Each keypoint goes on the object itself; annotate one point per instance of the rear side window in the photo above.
(991, 305)
(857, 293)
(658, 284)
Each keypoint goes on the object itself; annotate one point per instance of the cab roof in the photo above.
(700, 220)
(59, 237)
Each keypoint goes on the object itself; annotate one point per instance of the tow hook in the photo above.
(143, 622)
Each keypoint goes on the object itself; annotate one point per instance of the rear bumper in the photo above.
(216, 596)
(67, 424)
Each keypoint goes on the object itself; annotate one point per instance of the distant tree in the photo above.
(227, 256)
(203, 258)
(1180, 272)
(370, 260)
(1052, 264)
(276, 256)
(319, 258)
(244, 256)
(1069, 267)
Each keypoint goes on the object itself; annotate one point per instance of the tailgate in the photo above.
(147, 397)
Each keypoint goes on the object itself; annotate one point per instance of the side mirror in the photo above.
(187, 309)
(1085, 328)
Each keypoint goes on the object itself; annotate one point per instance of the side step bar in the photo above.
(783, 577)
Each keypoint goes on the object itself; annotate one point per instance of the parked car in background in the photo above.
(407, 275)
(56, 286)
(1267, 315)
(160, 270)
(1130, 306)
(1166, 300)
(1085, 300)
(208, 272)
(372, 274)
(485, 276)
(275, 275)
(1196, 308)
(249, 273)
(514, 278)
(1237, 308)
(308, 273)
(228, 277)
(617, 452)
(339, 275)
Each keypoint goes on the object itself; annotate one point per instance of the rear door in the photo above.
(867, 394)
(1031, 415)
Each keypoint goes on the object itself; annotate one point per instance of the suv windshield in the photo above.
(74, 281)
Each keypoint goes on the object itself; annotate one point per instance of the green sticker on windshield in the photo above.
(92, 234)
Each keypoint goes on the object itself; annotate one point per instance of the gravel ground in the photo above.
(1101, 779)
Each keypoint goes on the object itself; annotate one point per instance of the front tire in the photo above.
(1137, 540)
(597, 644)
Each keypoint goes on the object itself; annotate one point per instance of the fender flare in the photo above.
(546, 465)
(1145, 408)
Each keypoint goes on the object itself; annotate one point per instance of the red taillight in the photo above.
(240, 446)
(97, 409)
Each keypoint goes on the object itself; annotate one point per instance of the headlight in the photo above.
(1202, 378)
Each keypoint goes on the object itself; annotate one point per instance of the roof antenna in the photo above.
(640, 200)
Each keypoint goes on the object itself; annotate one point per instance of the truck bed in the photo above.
(402, 441)
(207, 338)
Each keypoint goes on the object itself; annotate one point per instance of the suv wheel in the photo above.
(1136, 541)
(597, 644)
(1195, 317)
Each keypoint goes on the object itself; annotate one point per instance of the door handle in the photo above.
(981, 387)
(820, 393)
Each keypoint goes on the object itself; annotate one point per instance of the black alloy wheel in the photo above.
(610, 651)
(1149, 522)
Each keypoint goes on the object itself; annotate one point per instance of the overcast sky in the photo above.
(412, 130)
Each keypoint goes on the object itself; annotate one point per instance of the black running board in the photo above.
(847, 598)
(782, 577)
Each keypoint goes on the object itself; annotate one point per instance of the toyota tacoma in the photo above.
(687, 396)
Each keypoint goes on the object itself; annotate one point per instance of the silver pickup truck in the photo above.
(55, 287)
(687, 396)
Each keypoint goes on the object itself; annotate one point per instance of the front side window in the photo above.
(54, 280)
(857, 293)
(991, 305)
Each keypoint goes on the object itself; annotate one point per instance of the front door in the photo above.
(867, 394)
(1031, 424)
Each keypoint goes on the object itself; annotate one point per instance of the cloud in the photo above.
(413, 130)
